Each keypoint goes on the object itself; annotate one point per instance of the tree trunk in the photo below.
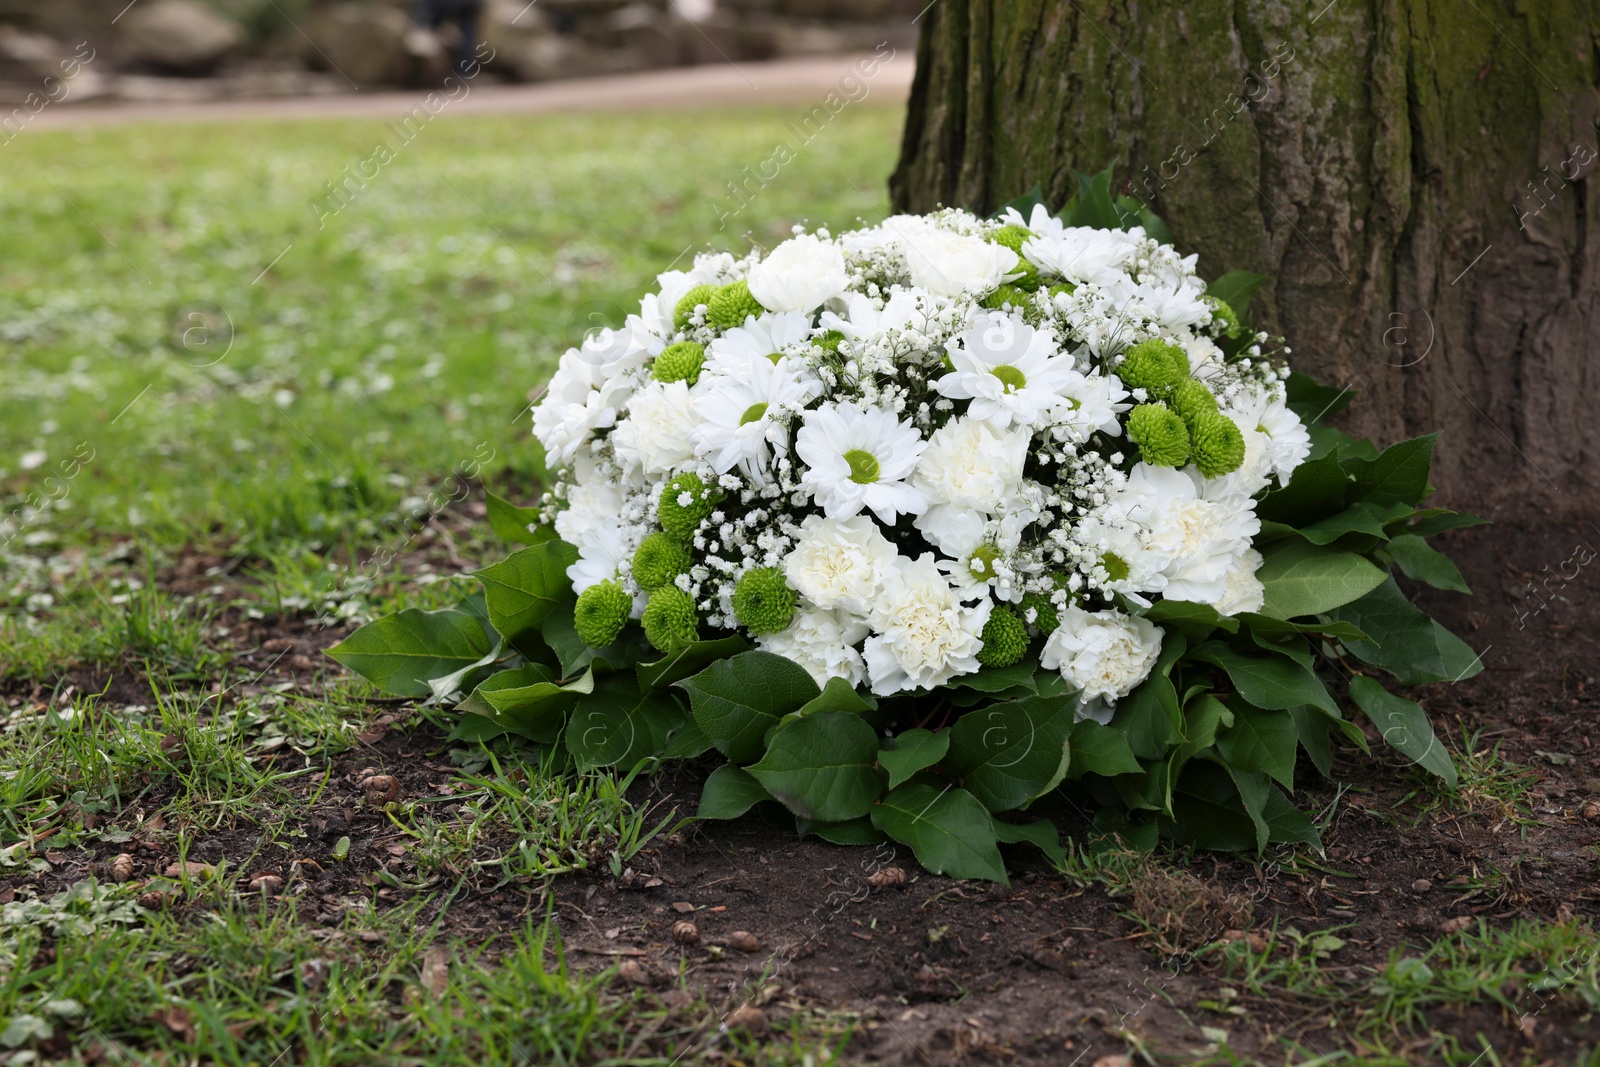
(1411, 175)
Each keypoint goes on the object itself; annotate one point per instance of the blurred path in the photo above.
(790, 81)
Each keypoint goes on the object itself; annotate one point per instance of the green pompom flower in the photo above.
(1008, 294)
(1224, 317)
(1013, 238)
(680, 362)
(1153, 365)
(1218, 445)
(685, 502)
(700, 294)
(763, 602)
(1162, 438)
(658, 560)
(1005, 639)
(1062, 287)
(601, 613)
(829, 341)
(669, 619)
(1190, 400)
(730, 305)
(1043, 609)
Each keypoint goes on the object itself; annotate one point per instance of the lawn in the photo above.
(237, 421)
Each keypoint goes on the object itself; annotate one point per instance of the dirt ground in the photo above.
(1052, 970)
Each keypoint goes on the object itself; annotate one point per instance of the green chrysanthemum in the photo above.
(601, 613)
(1013, 238)
(1007, 294)
(1005, 639)
(1224, 317)
(763, 602)
(658, 560)
(1045, 616)
(1191, 400)
(1153, 365)
(700, 294)
(1062, 287)
(730, 305)
(680, 362)
(669, 619)
(685, 502)
(1162, 438)
(829, 341)
(1218, 445)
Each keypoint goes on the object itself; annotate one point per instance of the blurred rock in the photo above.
(180, 36)
(28, 57)
(370, 44)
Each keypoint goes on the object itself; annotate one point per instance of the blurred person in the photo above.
(464, 13)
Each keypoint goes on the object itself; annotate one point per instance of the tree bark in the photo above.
(1411, 175)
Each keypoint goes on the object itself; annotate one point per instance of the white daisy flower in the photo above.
(743, 407)
(602, 549)
(1083, 254)
(767, 337)
(1010, 371)
(984, 554)
(859, 457)
(1091, 404)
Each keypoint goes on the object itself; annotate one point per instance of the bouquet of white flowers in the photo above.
(928, 518)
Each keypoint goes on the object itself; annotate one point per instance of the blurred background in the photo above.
(192, 50)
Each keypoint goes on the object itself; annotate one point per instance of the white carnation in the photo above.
(950, 264)
(839, 563)
(1106, 654)
(657, 435)
(823, 642)
(1243, 591)
(799, 275)
(971, 464)
(924, 635)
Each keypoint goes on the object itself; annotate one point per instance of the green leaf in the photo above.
(1421, 561)
(511, 523)
(1041, 833)
(839, 695)
(1287, 824)
(1007, 754)
(1197, 621)
(1150, 717)
(1399, 475)
(688, 660)
(1302, 579)
(687, 742)
(1093, 204)
(399, 653)
(1314, 402)
(994, 680)
(1311, 727)
(1438, 520)
(822, 766)
(1098, 749)
(735, 700)
(907, 753)
(729, 792)
(1271, 682)
(527, 701)
(1404, 726)
(1024, 204)
(443, 687)
(1235, 289)
(1261, 741)
(1316, 490)
(1208, 811)
(523, 589)
(618, 725)
(1363, 518)
(948, 829)
(1273, 629)
(1405, 641)
(851, 832)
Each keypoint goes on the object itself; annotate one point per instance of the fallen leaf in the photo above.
(179, 1021)
(436, 970)
(190, 869)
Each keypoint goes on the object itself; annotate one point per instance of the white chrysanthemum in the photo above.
(839, 563)
(823, 642)
(1106, 654)
(592, 500)
(1287, 441)
(1010, 371)
(601, 552)
(923, 634)
(972, 464)
(1091, 404)
(800, 275)
(951, 264)
(1040, 221)
(1195, 541)
(616, 352)
(859, 457)
(579, 401)
(742, 408)
(863, 319)
(1122, 560)
(1244, 591)
(1084, 254)
(657, 435)
(983, 554)
(763, 337)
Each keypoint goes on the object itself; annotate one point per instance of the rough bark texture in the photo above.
(1412, 175)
